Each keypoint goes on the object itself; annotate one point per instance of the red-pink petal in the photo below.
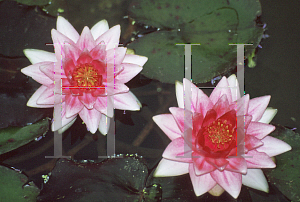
(91, 118)
(197, 122)
(48, 70)
(252, 142)
(72, 52)
(257, 107)
(86, 40)
(219, 163)
(201, 165)
(111, 37)
(222, 106)
(168, 125)
(129, 71)
(88, 100)
(273, 146)
(259, 160)
(237, 164)
(178, 150)
(178, 114)
(73, 105)
(221, 89)
(202, 183)
(98, 52)
(84, 57)
(230, 181)
(259, 130)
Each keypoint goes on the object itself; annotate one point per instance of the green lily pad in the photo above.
(14, 186)
(13, 137)
(213, 24)
(118, 179)
(286, 175)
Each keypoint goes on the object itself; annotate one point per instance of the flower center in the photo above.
(219, 135)
(85, 75)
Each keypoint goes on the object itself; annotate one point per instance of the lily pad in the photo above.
(286, 175)
(213, 24)
(14, 186)
(13, 137)
(119, 179)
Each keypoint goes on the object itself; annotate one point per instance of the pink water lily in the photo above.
(83, 62)
(211, 155)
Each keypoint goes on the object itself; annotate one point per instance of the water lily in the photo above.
(82, 62)
(211, 155)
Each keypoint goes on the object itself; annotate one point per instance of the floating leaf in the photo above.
(213, 24)
(286, 175)
(13, 187)
(119, 179)
(13, 137)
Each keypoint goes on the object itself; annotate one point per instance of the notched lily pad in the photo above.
(286, 175)
(118, 179)
(213, 24)
(14, 137)
(13, 187)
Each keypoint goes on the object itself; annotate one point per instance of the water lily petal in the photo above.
(64, 27)
(84, 57)
(86, 40)
(178, 114)
(237, 164)
(91, 118)
(110, 37)
(116, 56)
(252, 142)
(242, 105)
(234, 87)
(178, 150)
(88, 100)
(36, 74)
(32, 102)
(179, 94)
(104, 124)
(68, 125)
(120, 88)
(202, 183)
(60, 41)
(98, 52)
(47, 97)
(73, 105)
(259, 130)
(36, 56)
(257, 107)
(135, 59)
(221, 106)
(169, 168)
(129, 71)
(268, 115)
(126, 101)
(255, 179)
(221, 89)
(201, 166)
(101, 104)
(273, 146)
(48, 70)
(259, 160)
(65, 122)
(72, 52)
(168, 125)
(99, 28)
(230, 181)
